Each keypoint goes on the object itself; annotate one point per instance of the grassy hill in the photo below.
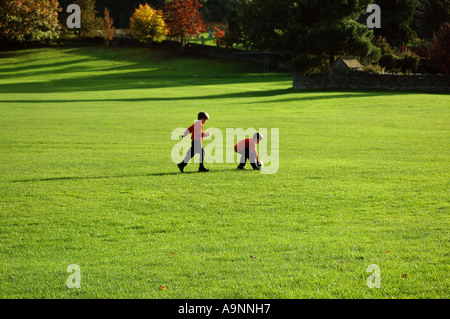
(87, 178)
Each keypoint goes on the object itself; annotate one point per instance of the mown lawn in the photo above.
(87, 178)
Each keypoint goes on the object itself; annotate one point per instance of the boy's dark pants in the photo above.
(196, 148)
(250, 157)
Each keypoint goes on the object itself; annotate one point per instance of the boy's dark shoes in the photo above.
(240, 168)
(181, 167)
(202, 169)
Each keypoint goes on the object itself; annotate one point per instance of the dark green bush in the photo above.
(388, 61)
(406, 63)
(409, 63)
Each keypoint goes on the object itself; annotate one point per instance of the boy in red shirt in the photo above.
(247, 148)
(196, 130)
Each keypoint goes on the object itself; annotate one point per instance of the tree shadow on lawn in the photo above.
(9, 72)
(124, 78)
(131, 69)
(141, 75)
(133, 77)
(15, 52)
(152, 71)
(62, 178)
(306, 96)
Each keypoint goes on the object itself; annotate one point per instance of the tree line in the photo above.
(121, 11)
(314, 32)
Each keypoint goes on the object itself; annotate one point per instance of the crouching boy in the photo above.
(247, 149)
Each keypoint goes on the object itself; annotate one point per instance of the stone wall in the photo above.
(360, 80)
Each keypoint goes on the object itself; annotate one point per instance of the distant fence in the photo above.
(272, 61)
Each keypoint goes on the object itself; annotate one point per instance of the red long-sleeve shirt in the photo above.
(196, 130)
(248, 143)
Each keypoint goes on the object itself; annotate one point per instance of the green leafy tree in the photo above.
(29, 20)
(235, 33)
(259, 24)
(397, 17)
(217, 10)
(90, 23)
(320, 30)
(430, 16)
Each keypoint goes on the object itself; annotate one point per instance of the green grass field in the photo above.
(86, 178)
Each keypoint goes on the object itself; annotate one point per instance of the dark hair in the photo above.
(202, 115)
(258, 136)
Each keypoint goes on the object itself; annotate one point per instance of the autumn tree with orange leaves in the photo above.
(107, 27)
(29, 20)
(183, 19)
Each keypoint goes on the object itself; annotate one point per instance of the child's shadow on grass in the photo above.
(47, 179)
